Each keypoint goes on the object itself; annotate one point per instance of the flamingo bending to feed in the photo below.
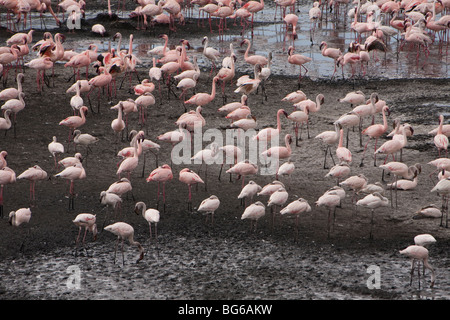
(419, 253)
(295, 208)
(124, 231)
(88, 222)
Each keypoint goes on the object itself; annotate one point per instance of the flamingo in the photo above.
(130, 163)
(291, 20)
(254, 212)
(7, 176)
(79, 61)
(427, 212)
(15, 105)
(279, 152)
(443, 189)
(74, 122)
(189, 177)
(299, 118)
(55, 148)
(233, 155)
(355, 183)
(206, 156)
(354, 98)
(392, 146)
(333, 53)
(209, 206)
(247, 85)
(419, 253)
(161, 175)
(253, 59)
(373, 201)
(84, 139)
(242, 169)
(440, 139)
(295, 97)
(375, 131)
(202, 98)
(278, 198)
(329, 138)
(330, 200)
(343, 154)
(76, 102)
(33, 174)
(72, 173)
(230, 107)
(286, 169)
(339, 171)
(210, 53)
(102, 80)
(295, 208)
(19, 217)
(120, 187)
(249, 191)
(124, 231)
(88, 222)
(152, 216)
(118, 124)
(267, 134)
(12, 93)
(5, 122)
(253, 7)
(299, 60)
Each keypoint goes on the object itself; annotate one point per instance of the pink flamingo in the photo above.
(267, 133)
(291, 20)
(339, 171)
(233, 155)
(7, 176)
(33, 174)
(299, 118)
(254, 212)
(161, 175)
(342, 153)
(254, 7)
(74, 122)
(120, 187)
(279, 152)
(103, 80)
(373, 201)
(354, 98)
(419, 253)
(130, 163)
(295, 208)
(295, 97)
(88, 222)
(242, 169)
(330, 200)
(6, 59)
(278, 198)
(440, 139)
(79, 61)
(189, 177)
(392, 146)
(299, 60)
(210, 53)
(124, 231)
(73, 173)
(249, 191)
(202, 98)
(375, 131)
(3, 162)
(355, 183)
(329, 138)
(333, 53)
(253, 59)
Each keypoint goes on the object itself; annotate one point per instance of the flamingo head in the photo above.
(323, 43)
(244, 41)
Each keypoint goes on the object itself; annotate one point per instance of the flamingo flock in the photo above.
(284, 200)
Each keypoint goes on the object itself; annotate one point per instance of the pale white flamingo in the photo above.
(242, 169)
(254, 212)
(330, 138)
(88, 222)
(419, 253)
(209, 206)
(55, 148)
(278, 198)
(75, 172)
(330, 200)
(373, 201)
(19, 217)
(152, 216)
(343, 154)
(249, 191)
(440, 139)
(295, 208)
(339, 171)
(124, 231)
(15, 105)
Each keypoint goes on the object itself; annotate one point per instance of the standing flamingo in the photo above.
(440, 139)
(343, 154)
(74, 122)
(210, 53)
(330, 199)
(253, 59)
(161, 175)
(254, 212)
(73, 173)
(375, 131)
(392, 146)
(333, 53)
(152, 216)
(7, 176)
(18, 217)
(267, 134)
(279, 152)
(15, 105)
(253, 7)
(55, 148)
(243, 169)
(299, 60)
(329, 138)
(419, 253)
(209, 206)
(124, 231)
(295, 208)
(202, 98)
(373, 201)
(249, 191)
(88, 222)
(33, 174)
(189, 177)
(278, 198)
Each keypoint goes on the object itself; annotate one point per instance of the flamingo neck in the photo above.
(385, 125)
(341, 138)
